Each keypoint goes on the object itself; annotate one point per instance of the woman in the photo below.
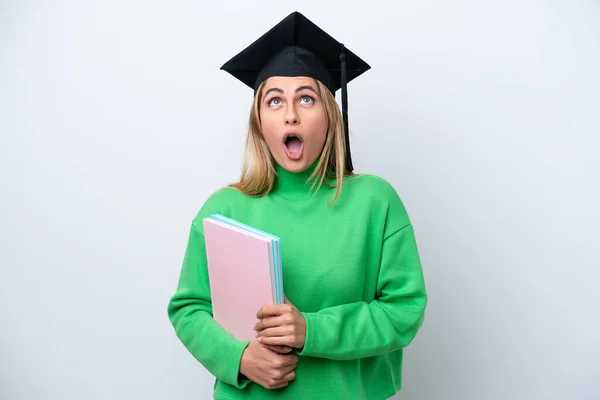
(355, 293)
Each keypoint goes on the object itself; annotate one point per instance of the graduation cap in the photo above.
(298, 47)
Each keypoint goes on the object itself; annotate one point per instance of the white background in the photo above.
(116, 124)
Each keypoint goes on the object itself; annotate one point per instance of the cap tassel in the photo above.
(344, 79)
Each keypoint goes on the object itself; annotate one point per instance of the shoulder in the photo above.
(379, 194)
(220, 201)
(372, 186)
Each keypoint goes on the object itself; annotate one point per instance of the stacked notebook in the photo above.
(244, 269)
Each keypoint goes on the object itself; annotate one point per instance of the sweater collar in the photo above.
(295, 185)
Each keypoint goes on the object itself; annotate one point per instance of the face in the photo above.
(293, 121)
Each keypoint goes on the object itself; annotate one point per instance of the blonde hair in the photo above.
(258, 170)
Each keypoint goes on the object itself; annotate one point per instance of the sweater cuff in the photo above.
(307, 350)
(234, 376)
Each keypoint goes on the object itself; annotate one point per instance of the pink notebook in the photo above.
(240, 269)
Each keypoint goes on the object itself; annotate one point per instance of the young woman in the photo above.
(354, 286)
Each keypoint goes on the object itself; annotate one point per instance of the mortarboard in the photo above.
(298, 47)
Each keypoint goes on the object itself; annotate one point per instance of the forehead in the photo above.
(289, 83)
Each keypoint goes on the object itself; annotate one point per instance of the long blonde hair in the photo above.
(258, 171)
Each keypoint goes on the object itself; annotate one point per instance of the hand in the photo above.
(262, 365)
(281, 325)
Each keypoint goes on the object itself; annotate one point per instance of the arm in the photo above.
(388, 323)
(190, 312)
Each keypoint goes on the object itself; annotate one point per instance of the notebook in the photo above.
(244, 269)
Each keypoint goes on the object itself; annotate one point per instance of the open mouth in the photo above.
(293, 146)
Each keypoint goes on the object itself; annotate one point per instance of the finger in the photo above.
(286, 362)
(277, 331)
(269, 322)
(285, 300)
(272, 310)
(285, 371)
(290, 359)
(267, 310)
(276, 340)
(280, 385)
(290, 376)
(278, 349)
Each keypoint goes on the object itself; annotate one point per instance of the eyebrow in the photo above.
(273, 90)
(278, 90)
(306, 87)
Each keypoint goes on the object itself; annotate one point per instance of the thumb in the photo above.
(286, 301)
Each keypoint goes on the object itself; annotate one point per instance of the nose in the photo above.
(291, 121)
(291, 117)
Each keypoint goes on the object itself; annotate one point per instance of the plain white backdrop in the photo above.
(116, 124)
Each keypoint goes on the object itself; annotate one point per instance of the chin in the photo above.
(295, 165)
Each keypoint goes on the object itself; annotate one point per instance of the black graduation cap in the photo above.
(298, 47)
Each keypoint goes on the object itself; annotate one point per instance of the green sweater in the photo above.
(353, 271)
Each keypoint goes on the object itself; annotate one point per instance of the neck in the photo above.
(295, 185)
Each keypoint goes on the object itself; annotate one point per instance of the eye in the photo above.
(306, 100)
(274, 102)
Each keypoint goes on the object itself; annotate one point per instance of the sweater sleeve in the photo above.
(190, 312)
(388, 323)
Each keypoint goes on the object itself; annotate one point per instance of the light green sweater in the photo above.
(353, 271)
